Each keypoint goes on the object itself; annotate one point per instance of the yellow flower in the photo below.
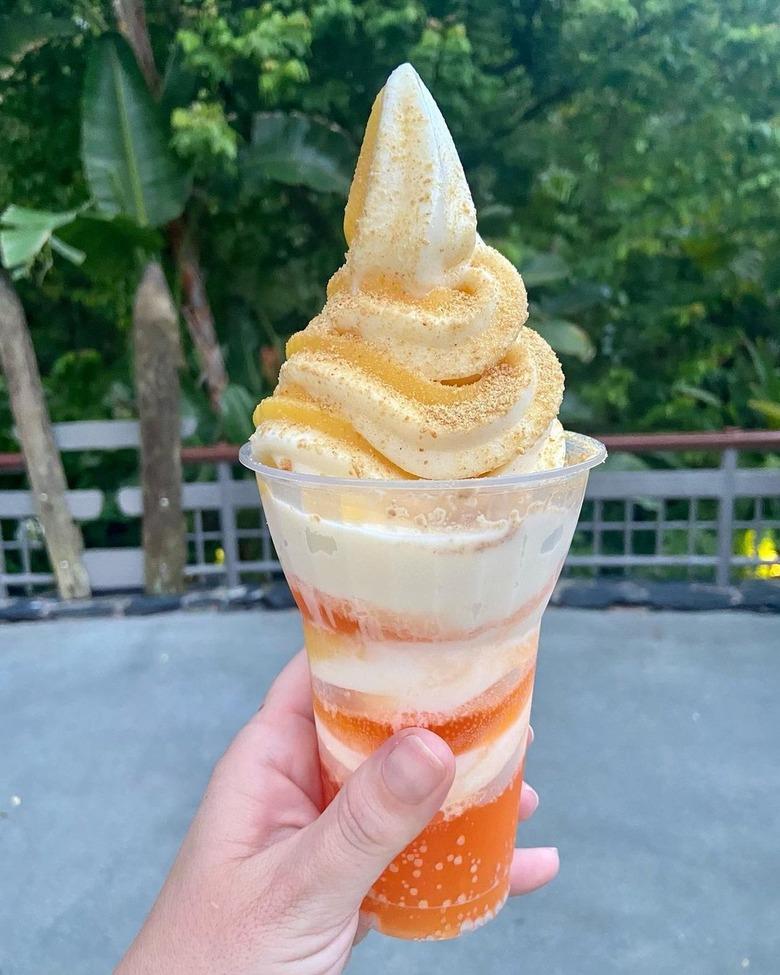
(766, 550)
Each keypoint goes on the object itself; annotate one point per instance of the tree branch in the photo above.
(197, 312)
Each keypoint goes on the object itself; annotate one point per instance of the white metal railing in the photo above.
(680, 518)
(712, 524)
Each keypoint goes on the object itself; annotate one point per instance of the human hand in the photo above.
(266, 883)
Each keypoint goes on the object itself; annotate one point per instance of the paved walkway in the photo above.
(656, 759)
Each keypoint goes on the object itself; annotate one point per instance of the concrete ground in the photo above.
(656, 758)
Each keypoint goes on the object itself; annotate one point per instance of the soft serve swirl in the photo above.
(419, 365)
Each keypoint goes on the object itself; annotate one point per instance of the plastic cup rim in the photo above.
(594, 451)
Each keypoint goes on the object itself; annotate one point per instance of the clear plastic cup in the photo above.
(421, 604)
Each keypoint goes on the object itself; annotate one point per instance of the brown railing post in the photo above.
(728, 465)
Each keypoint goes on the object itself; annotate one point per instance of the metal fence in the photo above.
(712, 525)
(717, 524)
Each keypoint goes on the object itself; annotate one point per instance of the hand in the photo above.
(266, 883)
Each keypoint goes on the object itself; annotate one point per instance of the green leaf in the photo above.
(702, 395)
(179, 83)
(544, 269)
(129, 165)
(767, 409)
(580, 297)
(72, 254)
(237, 407)
(24, 232)
(77, 384)
(566, 337)
(20, 245)
(15, 216)
(494, 219)
(20, 34)
(575, 412)
(300, 151)
(110, 243)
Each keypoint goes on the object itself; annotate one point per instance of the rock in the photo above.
(691, 596)
(86, 608)
(584, 595)
(203, 599)
(147, 605)
(24, 610)
(278, 595)
(760, 594)
(248, 598)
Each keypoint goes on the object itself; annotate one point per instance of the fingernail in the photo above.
(532, 793)
(411, 771)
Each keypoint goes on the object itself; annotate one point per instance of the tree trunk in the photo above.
(131, 20)
(157, 362)
(197, 312)
(64, 543)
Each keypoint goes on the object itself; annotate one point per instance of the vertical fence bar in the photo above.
(24, 548)
(693, 513)
(197, 531)
(728, 466)
(227, 516)
(758, 518)
(598, 511)
(3, 586)
(628, 532)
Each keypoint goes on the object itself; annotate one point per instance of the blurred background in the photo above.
(624, 155)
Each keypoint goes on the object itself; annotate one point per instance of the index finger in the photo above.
(291, 691)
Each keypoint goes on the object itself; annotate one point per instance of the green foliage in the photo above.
(565, 337)
(220, 46)
(128, 162)
(765, 386)
(78, 385)
(548, 276)
(625, 154)
(24, 232)
(202, 134)
(300, 151)
(111, 244)
(22, 33)
(237, 406)
(544, 269)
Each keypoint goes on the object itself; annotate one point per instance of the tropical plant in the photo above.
(632, 146)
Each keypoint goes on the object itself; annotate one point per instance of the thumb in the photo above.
(379, 810)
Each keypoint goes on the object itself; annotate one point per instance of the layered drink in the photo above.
(422, 495)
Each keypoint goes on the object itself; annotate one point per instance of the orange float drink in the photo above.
(421, 605)
(422, 494)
